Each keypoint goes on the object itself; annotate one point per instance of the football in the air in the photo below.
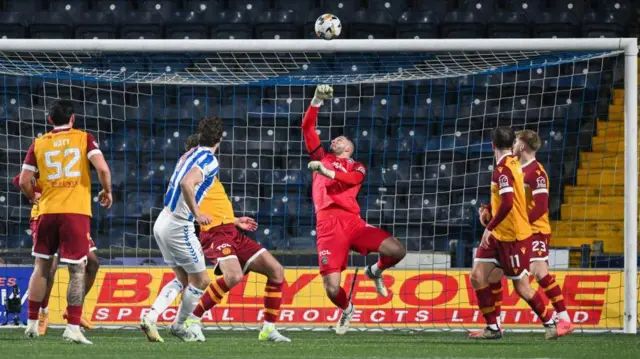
(328, 26)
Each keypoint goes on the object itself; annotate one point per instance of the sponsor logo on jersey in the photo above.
(503, 181)
(222, 246)
(226, 251)
(541, 182)
(325, 252)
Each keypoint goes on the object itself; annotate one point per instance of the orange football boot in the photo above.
(565, 327)
(43, 323)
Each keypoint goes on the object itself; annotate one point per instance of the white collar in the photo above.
(527, 163)
(503, 156)
(63, 127)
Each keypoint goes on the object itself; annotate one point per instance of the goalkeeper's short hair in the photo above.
(531, 138)
(503, 137)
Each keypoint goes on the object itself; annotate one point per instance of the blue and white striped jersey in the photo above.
(201, 158)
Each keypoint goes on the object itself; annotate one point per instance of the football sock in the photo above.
(554, 293)
(212, 296)
(496, 290)
(188, 303)
(44, 310)
(74, 313)
(45, 304)
(166, 296)
(539, 308)
(340, 299)
(272, 301)
(33, 309)
(384, 262)
(486, 303)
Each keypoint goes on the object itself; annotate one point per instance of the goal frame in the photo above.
(628, 45)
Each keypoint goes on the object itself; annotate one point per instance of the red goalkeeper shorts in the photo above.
(225, 242)
(338, 232)
(513, 257)
(540, 247)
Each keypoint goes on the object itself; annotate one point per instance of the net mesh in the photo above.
(420, 123)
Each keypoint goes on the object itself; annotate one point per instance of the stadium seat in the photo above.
(204, 7)
(574, 6)
(115, 9)
(232, 24)
(13, 25)
(394, 8)
(420, 25)
(298, 6)
(439, 7)
(142, 25)
(277, 24)
(25, 7)
(371, 24)
(463, 25)
(94, 25)
(555, 24)
(48, 25)
(508, 25)
(164, 8)
(186, 25)
(486, 7)
(604, 24)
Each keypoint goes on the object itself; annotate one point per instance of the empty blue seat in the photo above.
(116, 9)
(470, 24)
(164, 8)
(94, 25)
(394, 8)
(508, 25)
(418, 25)
(297, 6)
(605, 24)
(555, 24)
(142, 25)
(371, 24)
(186, 25)
(204, 7)
(277, 24)
(232, 24)
(25, 6)
(50, 25)
(13, 25)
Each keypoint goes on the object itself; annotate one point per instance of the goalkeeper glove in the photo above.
(317, 166)
(323, 92)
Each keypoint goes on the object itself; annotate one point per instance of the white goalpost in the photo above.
(419, 112)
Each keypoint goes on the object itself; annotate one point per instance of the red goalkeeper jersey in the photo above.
(341, 191)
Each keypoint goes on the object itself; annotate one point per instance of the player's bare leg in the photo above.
(391, 253)
(524, 290)
(495, 283)
(75, 300)
(480, 274)
(91, 271)
(338, 296)
(540, 271)
(167, 295)
(43, 317)
(38, 284)
(268, 266)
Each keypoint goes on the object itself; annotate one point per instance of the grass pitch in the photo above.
(321, 345)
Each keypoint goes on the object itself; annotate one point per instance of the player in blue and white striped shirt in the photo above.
(174, 229)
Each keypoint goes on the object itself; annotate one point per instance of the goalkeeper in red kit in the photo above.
(336, 181)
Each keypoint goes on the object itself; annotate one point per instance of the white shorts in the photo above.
(178, 243)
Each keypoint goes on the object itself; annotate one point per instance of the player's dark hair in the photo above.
(191, 141)
(531, 138)
(210, 131)
(60, 112)
(503, 137)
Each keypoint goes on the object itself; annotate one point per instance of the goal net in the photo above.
(420, 117)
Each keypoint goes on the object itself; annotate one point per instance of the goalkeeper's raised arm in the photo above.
(311, 139)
